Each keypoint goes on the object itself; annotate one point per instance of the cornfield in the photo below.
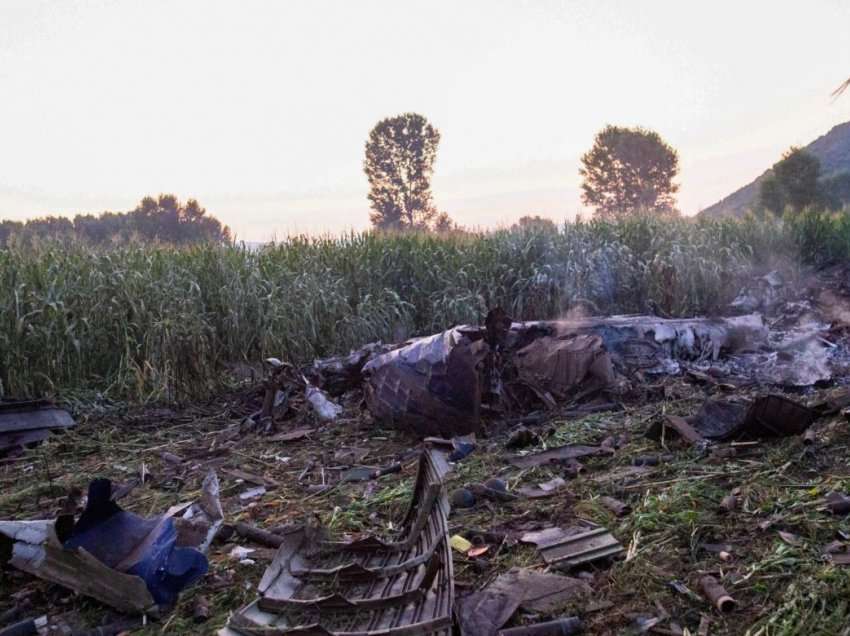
(163, 323)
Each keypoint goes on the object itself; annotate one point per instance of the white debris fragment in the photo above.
(240, 552)
(325, 408)
(252, 493)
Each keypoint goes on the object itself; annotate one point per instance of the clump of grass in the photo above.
(162, 323)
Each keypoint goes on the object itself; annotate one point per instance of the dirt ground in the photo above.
(775, 568)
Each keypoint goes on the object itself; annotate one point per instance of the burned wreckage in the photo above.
(443, 389)
(448, 383)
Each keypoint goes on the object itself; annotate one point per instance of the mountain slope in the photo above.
(833, 150)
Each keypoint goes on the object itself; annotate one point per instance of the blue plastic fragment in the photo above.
(135, 545)
(461, 450)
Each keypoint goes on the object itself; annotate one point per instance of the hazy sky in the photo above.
(261, 109)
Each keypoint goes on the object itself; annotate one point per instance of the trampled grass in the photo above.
(162, 323)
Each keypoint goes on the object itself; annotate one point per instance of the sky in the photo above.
(260, 110)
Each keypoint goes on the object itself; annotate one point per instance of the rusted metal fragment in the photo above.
(766, 416)
(555, 455)
(839, 503)
(544, 489)
(585, 547)
(258, 535)
(729, 503)
(399, 586)
(557, 369)
(32, 547)
(679, 426)
(546, 536)
(832, 405)
(430, 386)
(777, 416)
(558, 627)
(720, 419)
(717, 594)
(28, 422)
(484, 612)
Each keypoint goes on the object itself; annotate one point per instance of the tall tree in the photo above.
(793, 183)
(629, 170)
(400, 154)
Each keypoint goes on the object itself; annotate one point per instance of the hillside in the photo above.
(833, 150)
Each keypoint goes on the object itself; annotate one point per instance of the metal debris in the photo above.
(555, 455)
(651, 460)
(430, 386)
(717, 594)
(36, 550)
(23, 423)
(258, 535)
(462, 498)
(839, 503)
(485, 611)
(558, 627)
(522, 437)
(128, 562)
(555, 369)
(366, 473)
(580, 548)
(729, 503)
(766, 416)
(678, 425)
(326, 409)
(545, 489)
(401, 586)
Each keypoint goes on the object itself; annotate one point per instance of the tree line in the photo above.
(627, 171)
(163, 219)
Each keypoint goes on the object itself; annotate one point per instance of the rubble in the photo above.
(503, 399)
(366, 473)
(441, 384)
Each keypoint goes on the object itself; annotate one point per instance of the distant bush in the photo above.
(162, 220)
(162, 321)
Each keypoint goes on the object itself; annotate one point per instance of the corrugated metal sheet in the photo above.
(403, 586)
(581, 548)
